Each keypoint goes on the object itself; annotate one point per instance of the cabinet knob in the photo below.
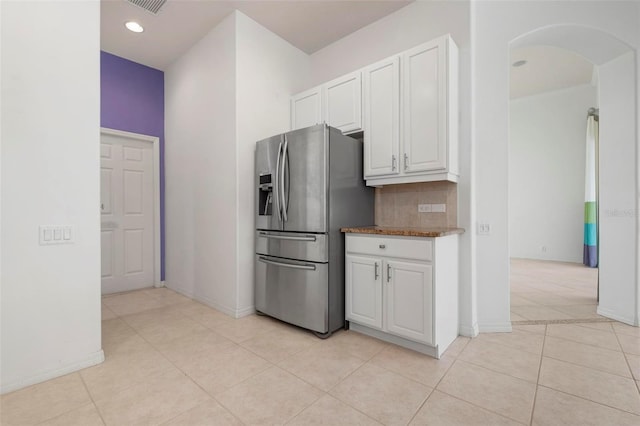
(382, 246)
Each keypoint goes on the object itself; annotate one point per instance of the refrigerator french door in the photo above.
(293, 167)
(308, 184)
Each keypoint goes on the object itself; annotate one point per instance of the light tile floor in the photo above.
(547, 291)
(172, 361)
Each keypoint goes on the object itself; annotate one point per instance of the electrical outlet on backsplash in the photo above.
(397, 205)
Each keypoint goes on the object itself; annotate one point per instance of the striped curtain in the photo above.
(590, 255)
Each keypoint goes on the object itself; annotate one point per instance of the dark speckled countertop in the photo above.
(407, 232)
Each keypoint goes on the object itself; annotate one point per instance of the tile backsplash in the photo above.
(397, 205)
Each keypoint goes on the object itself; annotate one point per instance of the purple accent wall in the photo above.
(132, 99)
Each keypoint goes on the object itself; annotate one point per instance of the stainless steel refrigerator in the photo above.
(308, 185)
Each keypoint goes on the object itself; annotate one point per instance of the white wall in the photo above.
(50, 308)
(230, 90)
(200, 159)
(617, 195)
(494, 26)
(269, 71)
(546, 173)
(417, 23)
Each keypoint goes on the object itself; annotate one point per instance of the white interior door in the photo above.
(127, 215)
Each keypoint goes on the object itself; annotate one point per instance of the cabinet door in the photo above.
(363, 290)
(343, 103)
(381, 100)
(424, 109)
(306, 109)
(409, 298)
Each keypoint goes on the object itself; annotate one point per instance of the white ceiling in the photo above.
(307, 24)
(548, 68)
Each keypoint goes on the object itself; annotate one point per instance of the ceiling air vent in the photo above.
(152, 6)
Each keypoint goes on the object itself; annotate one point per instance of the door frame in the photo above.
(155, 144)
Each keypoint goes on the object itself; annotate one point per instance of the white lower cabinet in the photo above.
(403, 289)
(409, 299)
(363, 296)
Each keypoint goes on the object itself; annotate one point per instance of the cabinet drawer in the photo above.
(416, 248)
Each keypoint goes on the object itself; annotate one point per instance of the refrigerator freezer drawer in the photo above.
(311, 247)
(293, 291)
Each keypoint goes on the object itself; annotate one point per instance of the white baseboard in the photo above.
(245, 311)
(159, 284)
(613, 315)
(469, 331)
(89, 361)
(179, 290)
(495, 327)
(232, 312)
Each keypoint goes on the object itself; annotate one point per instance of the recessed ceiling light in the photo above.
(134, 26)
(519, 63)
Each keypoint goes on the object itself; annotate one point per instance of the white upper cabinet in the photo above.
(382, 118)
(343, 103)
(306, 109)
(337, 103)
(407, 107)
(424, 124)
(426, 148)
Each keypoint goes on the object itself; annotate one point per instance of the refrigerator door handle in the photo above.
(309, 238)
(306, 267)
(285, 154)
(276, 187)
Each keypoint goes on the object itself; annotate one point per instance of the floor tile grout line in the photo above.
(479, 406)
(395, 372)
(439, 381)
(589, 400)
(272, 366)
(156, 374)
(585, 343)
(385, 369)
(368, 361)
(177, 368)
(86, 388)
(349, 375)
(496, 371)
(485, 408)
(493, 342)
(415, 413)
(239, 344)
(68, 411)
(626, 358)
(535, 393)
(590, 367)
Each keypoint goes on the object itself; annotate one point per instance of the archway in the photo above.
(616, 62)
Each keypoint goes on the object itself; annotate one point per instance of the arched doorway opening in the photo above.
(617, 204)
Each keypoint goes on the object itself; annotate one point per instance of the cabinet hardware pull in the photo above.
(388, 272)
(382, 246)
(406, 159)
(376, 272)
(393, 162)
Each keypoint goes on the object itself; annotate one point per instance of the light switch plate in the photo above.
(424, 208)
(484, 228)
(58, 234)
